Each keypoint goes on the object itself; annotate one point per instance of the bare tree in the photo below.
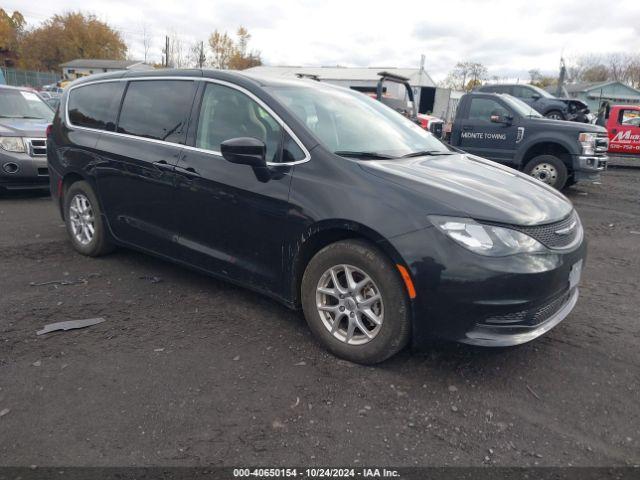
(197, 55)
(146, 41)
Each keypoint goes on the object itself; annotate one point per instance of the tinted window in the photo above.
(291, 151)
(157, 109)
(484, 108)
(228, 113)
(96, 106)
(523, 92)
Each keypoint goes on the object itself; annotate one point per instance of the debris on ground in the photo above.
(151, 279)
(70, 325)
(37, 363)
(533, 392)
(56, 283)
(4, 411)
(300, 364)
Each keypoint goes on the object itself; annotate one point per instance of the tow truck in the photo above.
(623, 126)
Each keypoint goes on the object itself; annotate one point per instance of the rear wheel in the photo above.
(83, 218)
(355, 302)
(548, 169)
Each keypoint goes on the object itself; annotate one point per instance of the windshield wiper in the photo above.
(374, 155)
(424, 153)
(22, 116)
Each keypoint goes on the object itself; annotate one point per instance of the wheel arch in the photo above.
(547, 147)
(67, 180)
(324, 233)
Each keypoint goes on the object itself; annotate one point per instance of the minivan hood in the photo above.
(23, 127)
(466, 185)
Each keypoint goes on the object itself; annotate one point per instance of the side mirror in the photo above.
(536, 96)
(245, 151)
(505, 119)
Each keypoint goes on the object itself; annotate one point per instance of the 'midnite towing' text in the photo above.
(484, 135)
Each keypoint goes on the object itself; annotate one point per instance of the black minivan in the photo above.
(319, 197)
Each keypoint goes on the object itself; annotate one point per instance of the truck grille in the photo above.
(554, 235)
(37, 147)
(602, 143)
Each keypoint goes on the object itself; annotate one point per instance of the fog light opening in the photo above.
(10, 167)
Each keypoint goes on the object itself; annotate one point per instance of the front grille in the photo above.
(569, 229)
(37, 147)
(602, 143)
(531, 317)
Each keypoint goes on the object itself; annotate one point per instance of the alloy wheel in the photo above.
(81, 219)
(350, 304)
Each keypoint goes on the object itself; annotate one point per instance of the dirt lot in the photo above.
(192, 371)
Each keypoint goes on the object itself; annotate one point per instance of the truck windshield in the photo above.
(23, 104)
(352, 124)
(520, 107)
(541, 92)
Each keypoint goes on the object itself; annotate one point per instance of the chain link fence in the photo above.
(28, 78)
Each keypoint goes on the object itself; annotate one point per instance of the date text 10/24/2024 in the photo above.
(315, 473)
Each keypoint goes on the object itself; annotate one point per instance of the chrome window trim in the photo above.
(307, 155)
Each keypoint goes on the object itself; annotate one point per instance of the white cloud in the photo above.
(508, 36)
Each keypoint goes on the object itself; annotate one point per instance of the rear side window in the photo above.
(483, 108)
(157, 109)
(96, 106)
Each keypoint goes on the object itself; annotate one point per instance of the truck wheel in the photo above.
(355, 302)
(548, 169)
(555, 115)
(84, 221)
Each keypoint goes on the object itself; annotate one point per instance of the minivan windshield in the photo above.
(23, 104)
(520, 107)
(351, 124)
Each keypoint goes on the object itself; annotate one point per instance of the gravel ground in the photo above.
(192, 371)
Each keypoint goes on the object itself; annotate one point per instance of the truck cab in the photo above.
(623, 126)
(504, 129)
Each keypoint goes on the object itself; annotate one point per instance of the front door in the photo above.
(233, 218)
(480, 136)
(624, 135)
(135, 175)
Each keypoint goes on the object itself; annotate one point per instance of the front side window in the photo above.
(157, 109)
(629, 117)
(523, 92)
(23, 104)
(484, 108)
(227, 113)
(96, 106)
(348, 121)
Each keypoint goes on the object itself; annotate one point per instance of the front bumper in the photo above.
(470, 298)
(589, 167)
(20, 171)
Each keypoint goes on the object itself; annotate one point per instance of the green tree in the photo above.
(227, 53)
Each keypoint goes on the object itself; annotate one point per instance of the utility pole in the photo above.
(201, 57)
(166, 51)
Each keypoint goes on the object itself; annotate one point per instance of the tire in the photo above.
(548, 169)
(555, 115)
(97, 243)
(392, 310)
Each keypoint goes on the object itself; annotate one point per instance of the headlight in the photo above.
(588, 142)
(486, 240)
(12, 144)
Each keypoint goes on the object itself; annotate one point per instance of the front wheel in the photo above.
(355, 302)
(555, 115)
(548, 169)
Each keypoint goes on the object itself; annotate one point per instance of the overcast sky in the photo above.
(508, 36)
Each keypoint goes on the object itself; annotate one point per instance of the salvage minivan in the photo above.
(319, 197)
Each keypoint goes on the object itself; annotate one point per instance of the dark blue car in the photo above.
(321, 198)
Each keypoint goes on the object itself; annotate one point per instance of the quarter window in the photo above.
(157, 109)
(227, 113)
(96, 106)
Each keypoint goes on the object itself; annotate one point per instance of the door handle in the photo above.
(187, 171)
(163, 165)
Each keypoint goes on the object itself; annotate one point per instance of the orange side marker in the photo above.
(411, 290)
